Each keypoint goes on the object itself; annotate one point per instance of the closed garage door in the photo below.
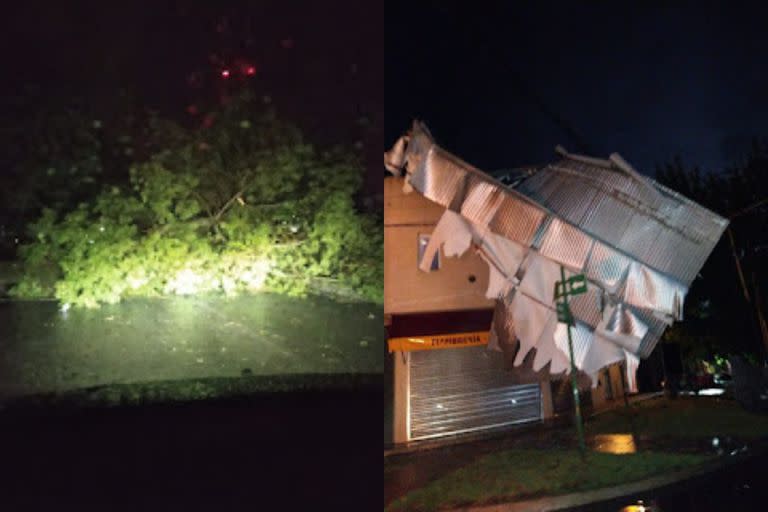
(462, 390)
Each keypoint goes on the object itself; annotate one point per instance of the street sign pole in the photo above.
(563, 289)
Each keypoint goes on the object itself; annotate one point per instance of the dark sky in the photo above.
(319, 64)
(502, 84)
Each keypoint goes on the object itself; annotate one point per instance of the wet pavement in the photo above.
(44, 350)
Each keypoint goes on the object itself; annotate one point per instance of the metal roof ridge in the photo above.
(615, 161)
(607, 164)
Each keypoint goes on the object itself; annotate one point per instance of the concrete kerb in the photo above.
(607, 494)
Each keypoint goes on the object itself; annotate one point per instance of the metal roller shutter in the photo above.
(464, 390)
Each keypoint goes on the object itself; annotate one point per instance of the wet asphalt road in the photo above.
(45, 350)
(740, 487)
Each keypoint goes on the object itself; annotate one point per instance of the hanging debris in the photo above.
(639, 244)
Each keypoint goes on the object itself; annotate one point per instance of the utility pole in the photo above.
(762, 326)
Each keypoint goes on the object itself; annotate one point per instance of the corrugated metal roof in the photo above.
(639, 243)
(668, 232)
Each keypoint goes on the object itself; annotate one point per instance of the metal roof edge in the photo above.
(560, 150)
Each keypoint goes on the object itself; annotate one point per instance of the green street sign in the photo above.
(564, 314)
(563, 289)
(572, 286)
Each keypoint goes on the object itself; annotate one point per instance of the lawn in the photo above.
(517, 471)
(683, 418)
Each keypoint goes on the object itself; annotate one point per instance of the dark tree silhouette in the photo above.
(725, 308)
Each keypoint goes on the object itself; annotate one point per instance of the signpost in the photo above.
(565, 287)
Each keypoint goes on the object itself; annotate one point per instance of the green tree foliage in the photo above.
(58, 149)
(241, 204)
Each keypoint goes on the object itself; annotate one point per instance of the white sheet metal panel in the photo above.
(540, 277)
(566, 244)
(581, 337)
(464, 390)
(646, 288)
(607, 267)
(588, 307)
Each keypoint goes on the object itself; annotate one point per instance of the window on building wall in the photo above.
(423, 242)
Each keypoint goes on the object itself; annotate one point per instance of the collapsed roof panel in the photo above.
(640, 245)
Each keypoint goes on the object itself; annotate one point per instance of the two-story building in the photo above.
(445, 380)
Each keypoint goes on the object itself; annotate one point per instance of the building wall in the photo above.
(401, 427)
(408, 290)
(610, 387)
(459, 284)
(616, 373)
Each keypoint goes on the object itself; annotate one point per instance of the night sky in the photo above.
(502, 84)
(320, 65)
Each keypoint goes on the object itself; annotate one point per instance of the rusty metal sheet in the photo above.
(646, 288)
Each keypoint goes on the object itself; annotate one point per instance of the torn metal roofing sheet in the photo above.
(629, 212)
(639, 243)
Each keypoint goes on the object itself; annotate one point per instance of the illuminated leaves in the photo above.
(257, 209)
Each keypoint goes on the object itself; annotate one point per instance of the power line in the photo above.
(748, 209)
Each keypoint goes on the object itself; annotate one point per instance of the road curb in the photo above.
(597, 496)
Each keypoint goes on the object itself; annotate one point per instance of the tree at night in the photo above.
(239, 203)
(721, 311)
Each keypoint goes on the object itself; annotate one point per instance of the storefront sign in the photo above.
(438, 341)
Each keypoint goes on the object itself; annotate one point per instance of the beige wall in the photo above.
(406, 288)
(547, 406)
(615, 372)
(401, 431)
(599, 396)
(409, 290)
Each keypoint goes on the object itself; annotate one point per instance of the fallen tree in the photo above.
(241, 204)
